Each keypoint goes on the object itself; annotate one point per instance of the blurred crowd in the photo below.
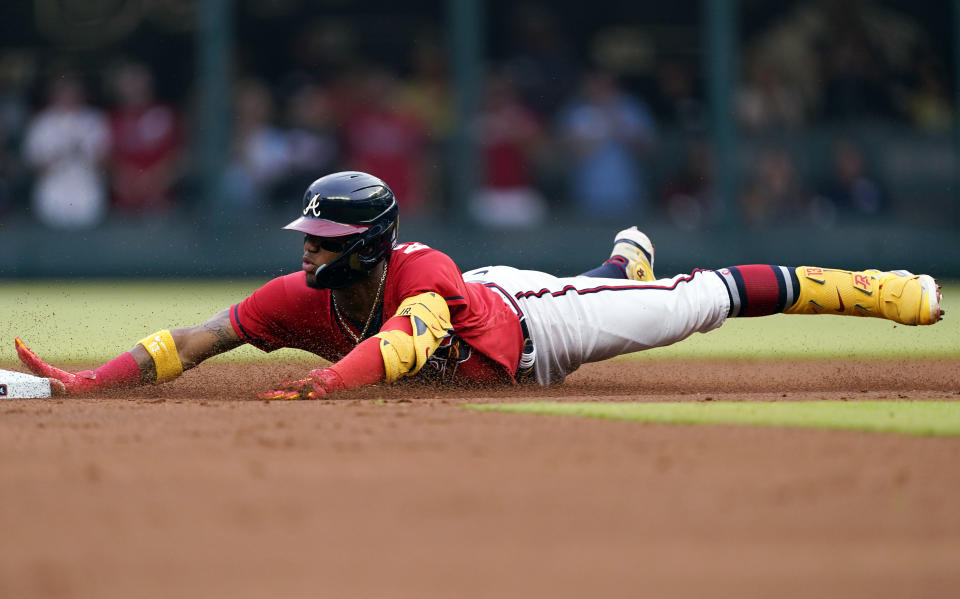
(558, 133)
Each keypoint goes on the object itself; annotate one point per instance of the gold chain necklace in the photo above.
(373, 310)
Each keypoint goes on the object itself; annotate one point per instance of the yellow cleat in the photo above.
(898, 295)
(636, 248)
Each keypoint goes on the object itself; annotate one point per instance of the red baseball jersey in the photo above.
(486, 341)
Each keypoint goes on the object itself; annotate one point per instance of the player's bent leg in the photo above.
(900, 296)
(631, 258)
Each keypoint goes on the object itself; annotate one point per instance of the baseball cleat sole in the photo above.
(931, 290)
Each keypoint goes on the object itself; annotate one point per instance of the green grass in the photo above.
(66, 322)
(86, 322)
(926, 418)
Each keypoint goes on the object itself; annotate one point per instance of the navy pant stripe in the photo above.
(781, 288)
(741, 289)
(794, 284)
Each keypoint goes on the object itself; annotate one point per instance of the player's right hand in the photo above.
(61, 381)
(318, 384)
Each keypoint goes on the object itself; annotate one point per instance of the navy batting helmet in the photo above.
(354, 205)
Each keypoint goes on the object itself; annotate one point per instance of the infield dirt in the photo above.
(193, 489)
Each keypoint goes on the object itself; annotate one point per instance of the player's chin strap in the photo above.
(404, 354)
(340, 272)
(163, 350)
(351, 265)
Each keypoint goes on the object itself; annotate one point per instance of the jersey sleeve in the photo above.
(257, 318)
(425, 270)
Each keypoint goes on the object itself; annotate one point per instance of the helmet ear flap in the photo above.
(368, 255)
(378, 240)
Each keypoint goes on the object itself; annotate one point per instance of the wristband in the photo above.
(163, 350)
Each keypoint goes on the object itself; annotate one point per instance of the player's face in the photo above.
(318, 251)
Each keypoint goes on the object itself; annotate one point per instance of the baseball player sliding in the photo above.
(379, 310)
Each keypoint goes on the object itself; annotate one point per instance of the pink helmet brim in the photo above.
(324, 228)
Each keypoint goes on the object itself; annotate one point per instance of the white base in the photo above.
(17, 385)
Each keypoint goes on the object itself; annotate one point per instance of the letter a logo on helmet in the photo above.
(313, 206)
(350, 203)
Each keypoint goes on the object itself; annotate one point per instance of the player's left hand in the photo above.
(317, 384)
(61, 381)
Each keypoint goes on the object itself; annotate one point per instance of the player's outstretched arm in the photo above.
(400, 349)
(212, 337)
(159, 357)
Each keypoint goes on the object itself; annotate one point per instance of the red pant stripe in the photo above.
(762, 289)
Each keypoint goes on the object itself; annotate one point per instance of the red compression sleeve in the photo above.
(364, 365)
(122, 371)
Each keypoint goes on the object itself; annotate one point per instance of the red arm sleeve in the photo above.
(364, 365)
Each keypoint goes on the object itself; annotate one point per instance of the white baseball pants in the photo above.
(575, 320)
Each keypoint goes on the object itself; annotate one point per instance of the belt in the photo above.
(528, 355)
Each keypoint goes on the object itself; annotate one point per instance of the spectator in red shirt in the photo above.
(146, 142)
(382, 136)
(509, 134)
